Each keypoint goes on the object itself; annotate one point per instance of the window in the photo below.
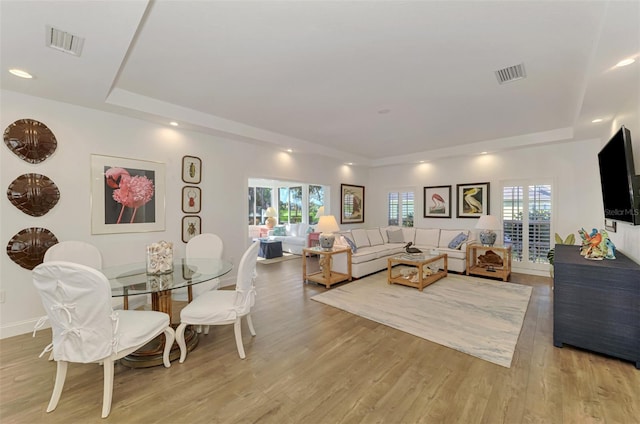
(259, 201)
(316, 199)
(526, 215)
(289, 204)
(401, 208)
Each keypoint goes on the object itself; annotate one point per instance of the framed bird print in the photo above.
(437, 202)
(191, 169)
(472, 200)
(191, 227)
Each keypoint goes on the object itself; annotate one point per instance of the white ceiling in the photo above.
(371, 82)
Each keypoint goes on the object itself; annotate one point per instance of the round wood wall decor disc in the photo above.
(33, 194)
(30, 140)
(28, 246)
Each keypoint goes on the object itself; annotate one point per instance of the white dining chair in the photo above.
(85, 327)
(205, 246)
(224, 307)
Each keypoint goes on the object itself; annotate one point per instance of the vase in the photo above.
(160, 258)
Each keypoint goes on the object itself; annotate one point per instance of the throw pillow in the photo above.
(375, 238)
(279, 231)
(395, 236)
(457, 241)
(309, 230)
(351, 244)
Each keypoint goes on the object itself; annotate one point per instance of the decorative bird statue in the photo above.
(410, 249)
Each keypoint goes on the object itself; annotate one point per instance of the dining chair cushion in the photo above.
(212, 306)
(134, 327)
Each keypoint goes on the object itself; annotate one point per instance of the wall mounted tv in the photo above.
(620, 184)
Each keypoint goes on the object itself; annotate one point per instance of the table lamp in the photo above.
(488, 223)
(271, 214)
(327, 225)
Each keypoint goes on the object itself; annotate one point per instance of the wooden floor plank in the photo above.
(311, 363)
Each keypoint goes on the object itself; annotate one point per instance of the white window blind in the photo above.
(526, 217)
(401, 208)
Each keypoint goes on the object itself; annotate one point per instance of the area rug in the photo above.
(476, 316)
(285, 257)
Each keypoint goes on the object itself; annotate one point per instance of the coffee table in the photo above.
(420, 261)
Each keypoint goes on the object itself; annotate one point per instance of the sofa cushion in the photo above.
(457, 241)
(409, 234)
(292, 229)
(360, 237)
(385, 232)
(303, 229)
(279, 230)
(454, 253)
(365, 254)
(427, 236)
(395, 236)
(447, 235)
(375, 238)
(351, 244)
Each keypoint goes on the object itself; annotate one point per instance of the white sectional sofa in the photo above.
(295, 237)
(374, 246)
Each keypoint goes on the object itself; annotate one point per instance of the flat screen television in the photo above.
(620, 184)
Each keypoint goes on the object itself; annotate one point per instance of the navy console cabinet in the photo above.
(596, 304)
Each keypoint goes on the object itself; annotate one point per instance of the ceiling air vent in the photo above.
(511, 73)
(63, 41)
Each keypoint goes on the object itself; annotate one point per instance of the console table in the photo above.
(596, 304)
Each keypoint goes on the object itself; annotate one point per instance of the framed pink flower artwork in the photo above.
(127, 195)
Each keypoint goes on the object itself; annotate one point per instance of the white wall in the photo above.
(227, 165)
(80, 132)
(572, 167)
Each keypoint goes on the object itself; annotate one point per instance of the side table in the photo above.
(326, 276)
(474, 267)
(313, 239)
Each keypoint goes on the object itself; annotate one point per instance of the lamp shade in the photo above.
(271, 212)
(327, 224)
(488, 222)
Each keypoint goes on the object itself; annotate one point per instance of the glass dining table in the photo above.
(132, 280)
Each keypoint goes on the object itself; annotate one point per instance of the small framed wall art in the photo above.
(437, 202)
(191, 227)
(473, 200)
(191, 169)
(191, 199)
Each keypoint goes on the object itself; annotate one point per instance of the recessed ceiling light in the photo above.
(595, 121)
(421, 161)
(625, 62)
(173, 123)
(483, 153)
(20, 73)
(290, 150)
(349, 163)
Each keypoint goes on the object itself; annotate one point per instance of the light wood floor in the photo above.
(311, 363)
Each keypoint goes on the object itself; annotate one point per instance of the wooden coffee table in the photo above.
(419, 261)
